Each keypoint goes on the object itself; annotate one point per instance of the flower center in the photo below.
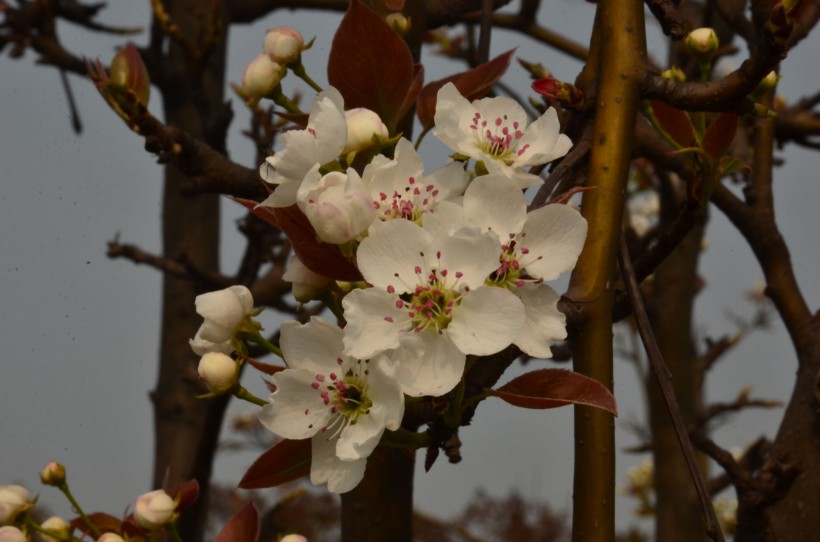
(511, 271)
(345, 395)
(408, 203)
(498, 138)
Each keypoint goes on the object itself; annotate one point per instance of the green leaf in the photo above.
(285, 461)
(552, 388)
(472, 84)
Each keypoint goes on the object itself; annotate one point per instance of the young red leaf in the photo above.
(185, 493)
(261, 366)
(320, 257)
(370, 64)
(675, 121)
(552, 388)
(104, 522)
(720, 133)
(242, 527)
(473, 84)
(285, 461)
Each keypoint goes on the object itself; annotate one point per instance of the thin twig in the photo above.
(659, 370)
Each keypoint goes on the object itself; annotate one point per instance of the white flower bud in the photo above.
(398, 22)
(702, 42)
(294, 538)
(13, 500)
(338, 205)
(154, 509)
(218, 371)
(284, 45)
(110, 537)
(58, 529)
(362, 125)
(12, 534)
(260, 78)
(53, 474)
(306, 283)
(223, 311)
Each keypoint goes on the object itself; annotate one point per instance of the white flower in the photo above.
(344, 404)
(320, 142)
(495, 131)
(535, 246)
(218, 371)
(58, 529)
(306, 283)
(284, 44)
(12, 534)
(338, 205)
(110, 537)
(644, 208)
(399, 188)
(154, 509)
(224, 312)
(429, 299)
(362, 126)
(14, 499)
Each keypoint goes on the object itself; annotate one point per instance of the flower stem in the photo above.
(77, 508)
(257, 338)
(283, 101)
(245, 395)
(301, 73)
(402, 438)
(172, 527)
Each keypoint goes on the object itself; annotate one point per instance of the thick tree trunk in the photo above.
(186, 428)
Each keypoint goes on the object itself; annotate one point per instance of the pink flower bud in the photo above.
(261, 77)
(14, 499)
(363, 125)
(110, 537)
(284, 45)
(154, 509)
(128, 70)
(12, 534)
(58, 529)
(218, 371)
(566, 94)
(53, 474)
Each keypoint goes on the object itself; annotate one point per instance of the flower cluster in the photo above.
(452, 264)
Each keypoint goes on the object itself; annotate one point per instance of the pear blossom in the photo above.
(14, 499)
(535, 246)
(53, 474)
(110, 537)
(218, 371)
(338, 205)
(644, 208)
(224, 312)
(154, 509)
(343, 403)
(319, 143)
(306, 284)
(261, 77)
(12, 534)
(429, 300)
(284, 44)
(399, 188)
(362, 126)
(58, 529)
(495, 132)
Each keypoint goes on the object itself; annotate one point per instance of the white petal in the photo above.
(517, 176)
(554, 235)
(543, 141)
(492, 202)
(467, 251)
(296, 410)
(283, 196)
(488, 320)
(451, 180)
(327, 118)
(389, 256)
(434, 372)
(444, 219)
(453, 117)
(325, 467)
(314, 347)
(201, 347)
(545, 324)
(506, 109)
(359, 440)
(385, 392)
(369, 327)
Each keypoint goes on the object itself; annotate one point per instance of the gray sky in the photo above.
(81, 331)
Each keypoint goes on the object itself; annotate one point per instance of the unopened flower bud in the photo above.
(12, 534)
(306, 284)
(284, 45)
(261, 77)
(363, 125)
(53, 474)
(674, 73)
(224, 312)
(218, 371)
(154, 509)
(398, 22)
(338, 205)
(129, 71)
(702, 43)
(110, 537)
(294, 538)
(58, 529)
(766, 84)
(567, 95)
(14, 499)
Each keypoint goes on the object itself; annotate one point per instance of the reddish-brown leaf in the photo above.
(242, 527)
(720, 133)
(185, 493)
(675, 121)
(285, 461)
(320, 257)
(473, 84)
(104, 523)
(371, 64)
(552, 388)
(261, 366)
